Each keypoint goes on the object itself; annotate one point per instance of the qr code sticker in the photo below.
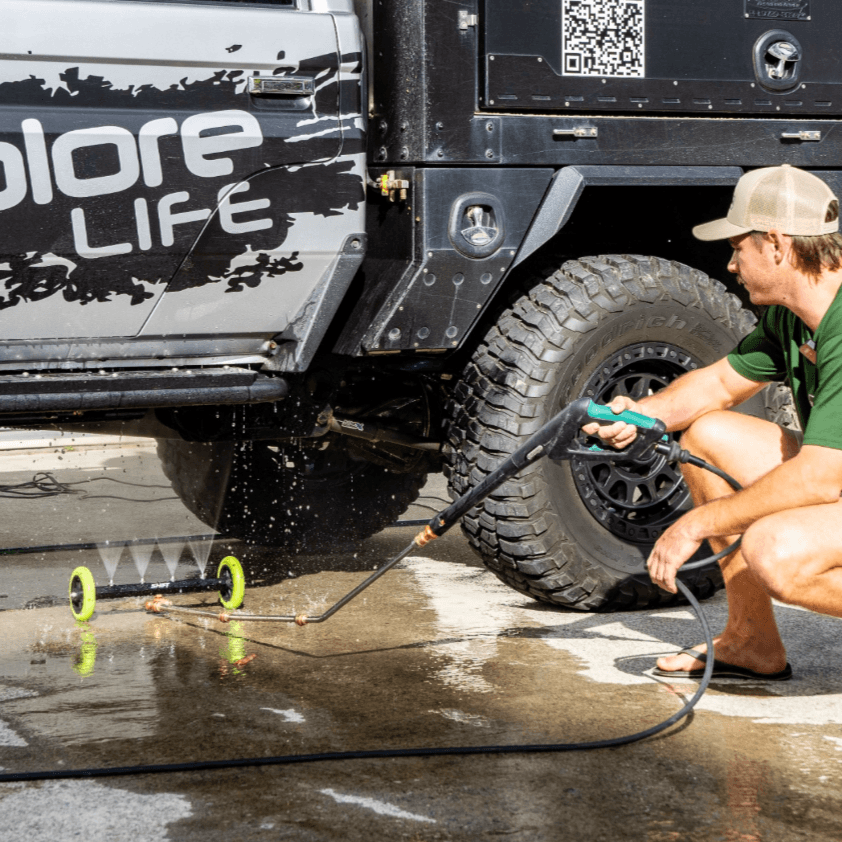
(603, 38)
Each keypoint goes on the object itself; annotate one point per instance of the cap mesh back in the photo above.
(790, 200)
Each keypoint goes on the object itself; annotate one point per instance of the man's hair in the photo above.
(813, 254)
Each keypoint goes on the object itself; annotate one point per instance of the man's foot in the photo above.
(755, 660)
(724, 670)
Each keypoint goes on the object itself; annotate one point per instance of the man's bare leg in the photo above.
(746, 448)
(797, 556)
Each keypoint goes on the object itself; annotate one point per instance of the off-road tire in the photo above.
(567, 336)
(268, 494)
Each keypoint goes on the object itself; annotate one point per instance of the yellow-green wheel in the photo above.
(82, 593)
(233, 587)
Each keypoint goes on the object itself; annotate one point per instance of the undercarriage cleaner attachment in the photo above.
(229, 581)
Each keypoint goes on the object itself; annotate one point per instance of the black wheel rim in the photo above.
(78, 591)
(635, 502)
(226, 583)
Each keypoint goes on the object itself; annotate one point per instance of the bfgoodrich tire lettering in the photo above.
(566, 533)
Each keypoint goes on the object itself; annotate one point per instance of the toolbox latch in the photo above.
(784, 55)
(778, 60)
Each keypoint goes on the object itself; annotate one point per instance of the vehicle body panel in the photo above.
(146, 191)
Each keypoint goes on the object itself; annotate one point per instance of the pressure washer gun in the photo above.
(650, 433)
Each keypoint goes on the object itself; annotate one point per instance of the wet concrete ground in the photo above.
(438, 653)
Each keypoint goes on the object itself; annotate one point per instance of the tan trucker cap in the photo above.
(783, 199)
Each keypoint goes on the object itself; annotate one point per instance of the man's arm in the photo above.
(679, 404)
(811, 478)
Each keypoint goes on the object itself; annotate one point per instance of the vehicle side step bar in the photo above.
(86, 391)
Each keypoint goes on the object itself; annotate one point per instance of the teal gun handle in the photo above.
(605, 413)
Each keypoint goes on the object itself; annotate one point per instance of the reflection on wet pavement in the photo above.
(437, 653)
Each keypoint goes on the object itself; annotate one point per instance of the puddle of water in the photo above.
(623, 649)
(95, 694)
(467, 602)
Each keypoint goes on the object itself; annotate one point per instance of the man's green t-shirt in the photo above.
(771, 352)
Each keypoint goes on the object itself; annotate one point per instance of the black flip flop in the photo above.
(723, 670)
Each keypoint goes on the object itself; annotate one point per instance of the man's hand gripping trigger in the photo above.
(617, 434)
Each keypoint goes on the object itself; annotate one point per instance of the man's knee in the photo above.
(774, 554)
(705, 438)
(706, 432)
(746, 447)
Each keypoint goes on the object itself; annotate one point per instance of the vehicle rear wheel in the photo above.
(578, 533)
(299, 499)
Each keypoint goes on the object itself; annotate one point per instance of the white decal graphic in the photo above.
(80, 188)
(150, 155)
(227, 209)
(144, 232)
(80, 239)
(168, 220)
(12, 161)
(196, 146)
(204, 140)
(36, 156)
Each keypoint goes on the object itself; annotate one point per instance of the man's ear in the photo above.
(781, 244)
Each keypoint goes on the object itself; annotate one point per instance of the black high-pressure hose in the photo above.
(674, 453)
(424, 751)
(556, 439)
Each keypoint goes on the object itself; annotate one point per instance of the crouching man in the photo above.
(783, 226)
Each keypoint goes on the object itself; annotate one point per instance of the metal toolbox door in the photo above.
(770, 57)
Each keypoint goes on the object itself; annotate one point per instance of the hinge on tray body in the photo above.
(579, 131)
(466, 20)
(389, 185)
(804, 135)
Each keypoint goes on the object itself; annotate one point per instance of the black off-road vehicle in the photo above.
(320, 248)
